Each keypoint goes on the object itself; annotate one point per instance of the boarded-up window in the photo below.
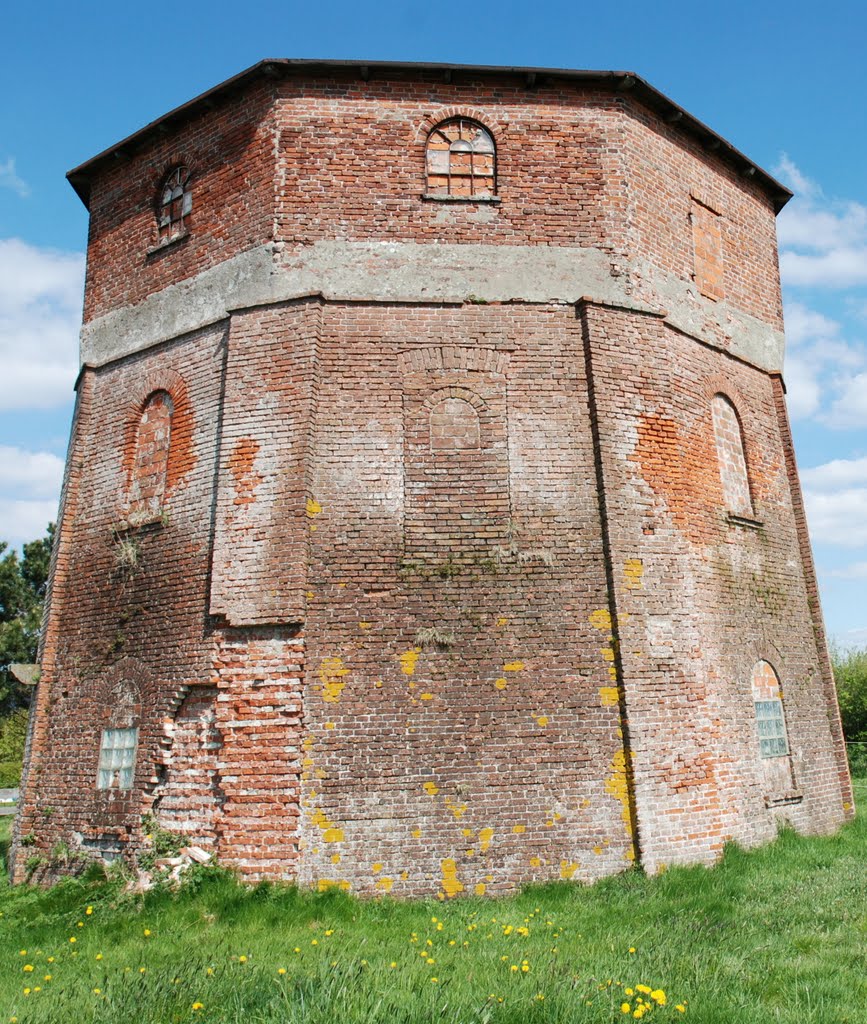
(150, 466)
(730, 456)
(707, 240)
(460, 160)
(175, 204)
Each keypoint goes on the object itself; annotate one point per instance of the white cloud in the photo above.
(803, 392)
(10, 179)
(843, 267)
(849, 408)
(40, 313)
(23, 520)
(804, 324)
(854, 571)
(38, 474)
(838, 517)
(823, 241)
(837, 473)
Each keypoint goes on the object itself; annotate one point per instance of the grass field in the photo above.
(775, 935)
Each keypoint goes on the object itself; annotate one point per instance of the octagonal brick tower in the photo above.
(431, 522)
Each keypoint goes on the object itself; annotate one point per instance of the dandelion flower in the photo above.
(28, 968)
(47, 977)
(514, 967)
(197, 1006)
(242, 959)
(89, 911)
(281, 970)
(147, 933)
(625, 1008)
(142, 970)
(314, 942)
(51, 960)
(209, 971)
(680, 1008)
(658, 996)
(72, 938)
(26, 991)
(99, 956)
(393, 964)
(80, 924)
(434, 980)
(525, 968)
(632, 949)
(97, 991)
(22, 952)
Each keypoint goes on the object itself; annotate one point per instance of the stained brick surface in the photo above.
(440, 597)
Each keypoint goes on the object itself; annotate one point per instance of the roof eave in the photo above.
(625, 81)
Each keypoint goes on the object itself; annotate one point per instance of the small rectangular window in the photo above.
(117, 759)
(772, 728)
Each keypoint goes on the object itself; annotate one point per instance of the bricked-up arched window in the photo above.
(454, 425)
(175, 203)
(151, 462)
(730, 456)
(461, 159)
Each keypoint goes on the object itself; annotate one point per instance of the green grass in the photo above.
(775, 935)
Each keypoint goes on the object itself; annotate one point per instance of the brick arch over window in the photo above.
(772, 733)
(454, 421)
(731, 456)
(460, 159)
(151, 460)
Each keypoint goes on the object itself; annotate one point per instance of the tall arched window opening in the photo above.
(150, 466)
(174, 204)
(730, 457)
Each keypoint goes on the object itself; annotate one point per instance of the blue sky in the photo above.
(785, 84)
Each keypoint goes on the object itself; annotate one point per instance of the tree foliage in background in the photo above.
(23, 581)
(850, 672)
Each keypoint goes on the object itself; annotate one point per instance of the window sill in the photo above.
(795, 797)
(745, 521)
(434, 198)
(167, 243)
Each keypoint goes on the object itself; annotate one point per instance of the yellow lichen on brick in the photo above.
(331, 833)
(601, 620)
(617, 785)
(568, 868)
(535, 862)
(501, 622)
(485, 837)
(608, 695)
(425, 696)
(479, 888)
(331, 673)
(501, 683)
(313, 508)
(376, 868)
(335, 858)
(385, 883)
(451, 884)
(541, 720)
(431, 788)
(408, 659)
(416, 833)
(519, 830)
(633, 571)
(329, 725)
(324, 884)
(513, 666)
(364, 625)
(607, 653)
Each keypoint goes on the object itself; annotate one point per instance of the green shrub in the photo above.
(13, 732)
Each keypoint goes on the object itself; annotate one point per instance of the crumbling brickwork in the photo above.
(431, 543)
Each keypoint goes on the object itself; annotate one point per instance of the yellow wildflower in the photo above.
(147, 933)
(51, 960)
(28, 968)
(72, 938)
(242, 959)
(47, 977)
(393, 964)
(625, 1008)
(680, 1008)
(197, 1006)
(26, 991)
(142, 970)
(97, 991)
(89, 911)
(281, 970)
(658, 996)
(99, 956)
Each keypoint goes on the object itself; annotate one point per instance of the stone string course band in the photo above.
(430, 548)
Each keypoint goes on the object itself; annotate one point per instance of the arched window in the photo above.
(461, 159)
(151, 462)
(730, 456)
(174, 204)
(770, 720)
(454, 424)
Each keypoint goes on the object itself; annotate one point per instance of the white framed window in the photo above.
(772, 728)
(117, 759)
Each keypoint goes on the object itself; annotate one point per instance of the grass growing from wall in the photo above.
(776, 935)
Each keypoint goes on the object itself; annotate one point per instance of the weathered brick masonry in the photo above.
(429, 528)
